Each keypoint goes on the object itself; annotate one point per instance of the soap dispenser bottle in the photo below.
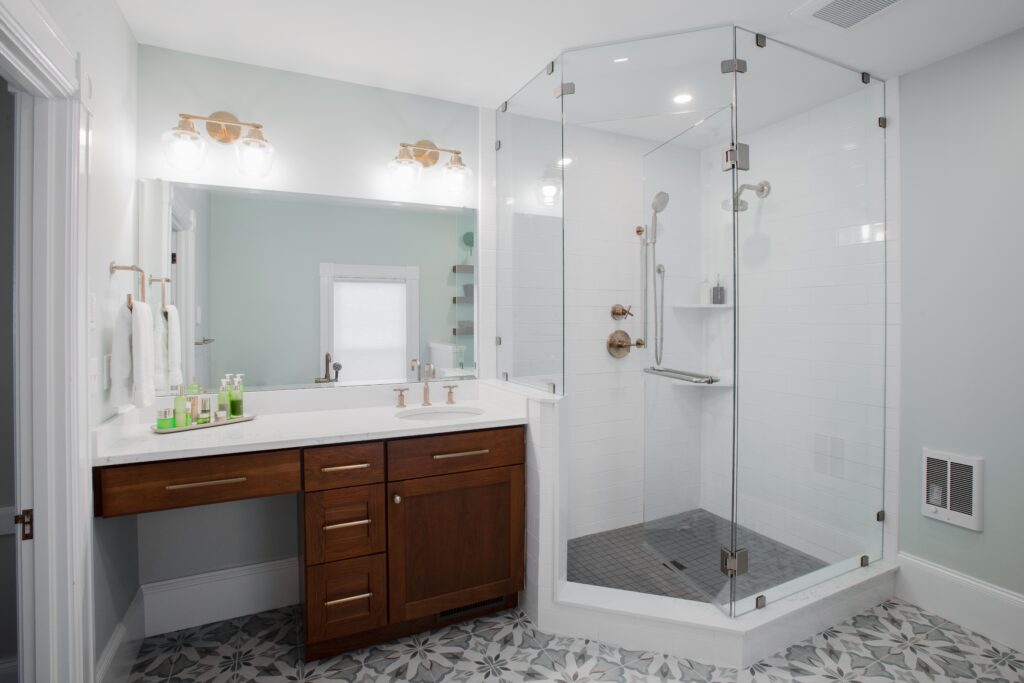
(235, 399)
(224, 398)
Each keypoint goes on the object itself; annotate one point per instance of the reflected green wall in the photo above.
(265, 255)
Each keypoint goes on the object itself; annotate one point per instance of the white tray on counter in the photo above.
(223, 423)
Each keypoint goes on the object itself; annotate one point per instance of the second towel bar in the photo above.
(692, 377)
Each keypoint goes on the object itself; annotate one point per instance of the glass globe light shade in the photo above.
(255, 155)
(183, 147)
(405, 170)
(455, 175)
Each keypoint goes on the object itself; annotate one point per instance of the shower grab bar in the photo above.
(693, 377)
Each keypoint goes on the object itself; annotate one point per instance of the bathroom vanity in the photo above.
(418, 527)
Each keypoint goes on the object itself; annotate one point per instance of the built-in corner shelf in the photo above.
(702, 306)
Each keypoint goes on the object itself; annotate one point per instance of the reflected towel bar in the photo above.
(683, 375)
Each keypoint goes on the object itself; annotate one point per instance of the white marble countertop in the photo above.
(134, 441)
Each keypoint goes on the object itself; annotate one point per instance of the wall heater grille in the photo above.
(952, 488)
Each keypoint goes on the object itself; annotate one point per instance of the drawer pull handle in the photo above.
(342, 468)
(201, 484)
(345, 525)
(463, 454)
(351, 598)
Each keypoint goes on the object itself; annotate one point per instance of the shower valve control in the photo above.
(620, 343)
(619, 311)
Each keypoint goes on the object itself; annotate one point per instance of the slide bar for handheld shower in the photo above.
(693, 377)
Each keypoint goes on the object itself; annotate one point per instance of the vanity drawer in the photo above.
(354, 464)
(428, 456)
(343, 523)
(146, 487)
(346, 597)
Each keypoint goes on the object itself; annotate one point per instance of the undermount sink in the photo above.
(437, 413)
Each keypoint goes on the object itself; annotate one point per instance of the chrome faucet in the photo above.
(429, 372)
(326, 379)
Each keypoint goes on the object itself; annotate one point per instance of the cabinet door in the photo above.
(454, 540)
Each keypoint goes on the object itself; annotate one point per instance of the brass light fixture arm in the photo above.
(210, 119)
(409, 145)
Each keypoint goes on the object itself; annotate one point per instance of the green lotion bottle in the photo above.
(235, 396)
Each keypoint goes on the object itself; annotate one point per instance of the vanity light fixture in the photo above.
(412, 158)
(185, 149)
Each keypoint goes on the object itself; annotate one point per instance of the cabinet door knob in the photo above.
(397, 498)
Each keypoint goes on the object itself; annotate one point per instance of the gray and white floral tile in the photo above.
(893, 642)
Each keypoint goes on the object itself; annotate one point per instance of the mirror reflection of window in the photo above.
(370, 330)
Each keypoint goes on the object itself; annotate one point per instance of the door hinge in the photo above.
(497, 145)
(760, 39)
(568, 88)
(497, 341)
(504, 106)
(26, 521)
(865, 78)
(551, 68)
(865, 560)
(504, 377)
(736, 156)
(734, 66)
(880, 516)
(734, 563)
(882, 122)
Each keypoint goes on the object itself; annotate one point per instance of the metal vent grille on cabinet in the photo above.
(952, 488)
(841, 14)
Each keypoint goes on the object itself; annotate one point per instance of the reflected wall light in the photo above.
(185, 149)
(412, 158)
(549, 186)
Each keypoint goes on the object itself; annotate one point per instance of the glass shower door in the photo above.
(811, 321)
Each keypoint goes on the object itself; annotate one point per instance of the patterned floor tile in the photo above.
(893, 642)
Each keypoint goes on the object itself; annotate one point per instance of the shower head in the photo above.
(658, 205)
(659, 202)
(762, 190)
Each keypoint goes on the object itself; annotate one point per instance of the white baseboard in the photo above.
(9, 670)
(204, 598)
(114, 664)
(990, 610)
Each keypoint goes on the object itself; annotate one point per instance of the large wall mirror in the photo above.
(269, 283)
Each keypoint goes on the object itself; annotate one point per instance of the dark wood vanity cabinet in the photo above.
(399, 536)
(431, 534)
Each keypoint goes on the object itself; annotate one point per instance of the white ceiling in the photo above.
(481, 51)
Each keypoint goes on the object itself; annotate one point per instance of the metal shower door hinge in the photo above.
(880, 516)
(497, 341)
(565, 89)
(734, 66)
(734, 563)
(864, 560)
(760, 602)
(551, 68)
(760, 39)
(865, 78)
(504, 106)
(504, 377)
(25, 519)
(882, 122)
(736, 156)
(497, 145)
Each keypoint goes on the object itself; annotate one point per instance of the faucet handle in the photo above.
(451, 392)
(401, 396)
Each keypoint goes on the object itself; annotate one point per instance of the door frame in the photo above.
(52, 458)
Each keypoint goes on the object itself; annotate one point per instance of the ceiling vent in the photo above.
(951, 488)
(841, 14)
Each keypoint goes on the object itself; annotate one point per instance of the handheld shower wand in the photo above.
(650, 240)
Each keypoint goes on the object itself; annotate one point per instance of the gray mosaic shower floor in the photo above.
(678, 557)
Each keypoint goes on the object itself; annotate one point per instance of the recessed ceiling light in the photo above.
(620, 60)
(682, 98)
(565, 161)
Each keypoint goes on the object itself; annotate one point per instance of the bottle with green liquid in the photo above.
(182, 415)
(224, 398)
(235, 400)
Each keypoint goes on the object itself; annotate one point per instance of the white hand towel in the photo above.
(142, 353)
(121, 358)
(174, 376)
(160, 352)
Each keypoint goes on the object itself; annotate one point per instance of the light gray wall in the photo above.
(115, 569)
(963, 363)
(264, 280)
(196, 540)
(8, 585)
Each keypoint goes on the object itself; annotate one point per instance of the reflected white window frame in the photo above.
(350, 272)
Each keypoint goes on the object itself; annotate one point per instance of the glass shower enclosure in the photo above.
(742, 180)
